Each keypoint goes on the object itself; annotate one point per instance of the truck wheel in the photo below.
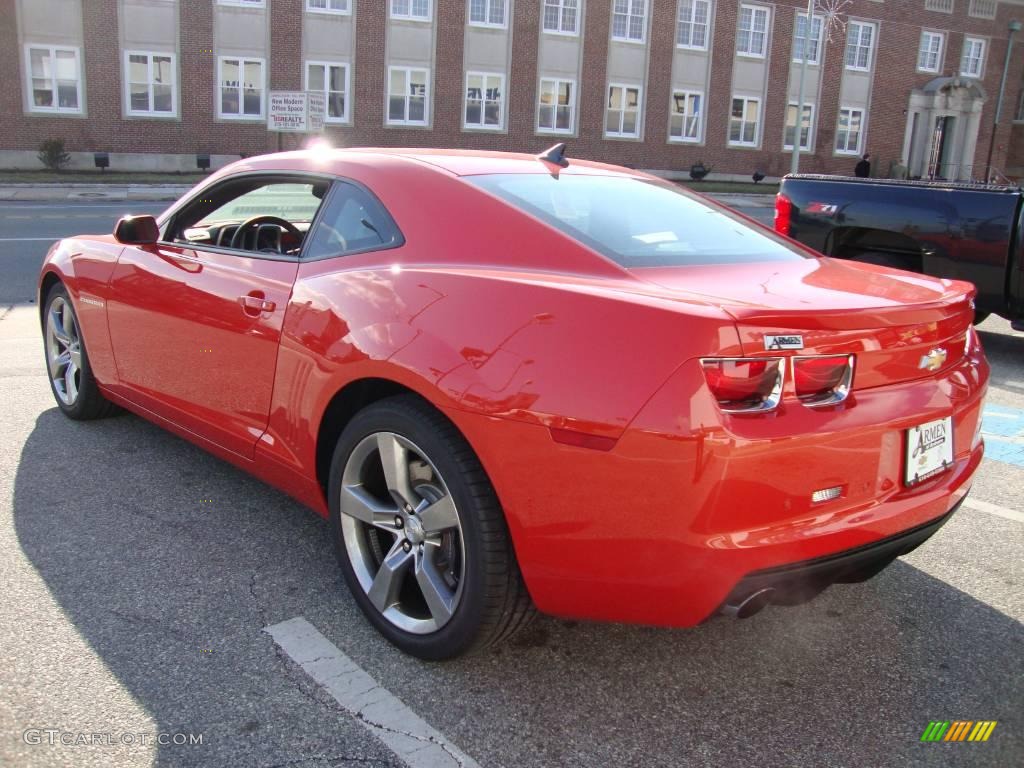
(887, 260)
(981, 317)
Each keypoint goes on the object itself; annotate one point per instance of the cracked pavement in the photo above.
(130, 605)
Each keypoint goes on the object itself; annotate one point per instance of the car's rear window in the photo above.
(637, 223)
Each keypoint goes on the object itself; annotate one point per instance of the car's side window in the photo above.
(256, 214)
(353, 221)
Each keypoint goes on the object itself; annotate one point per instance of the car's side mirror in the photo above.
(137, 230)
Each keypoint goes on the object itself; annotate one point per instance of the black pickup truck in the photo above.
(963, 231)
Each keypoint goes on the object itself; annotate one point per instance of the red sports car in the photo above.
(513, 381)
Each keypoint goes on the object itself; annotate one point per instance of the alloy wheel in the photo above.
(63, 350)
(402, 533)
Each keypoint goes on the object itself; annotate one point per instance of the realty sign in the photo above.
(296, 112)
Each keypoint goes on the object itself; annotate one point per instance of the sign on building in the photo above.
(296, 112)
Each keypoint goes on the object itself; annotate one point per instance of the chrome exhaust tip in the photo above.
(748, 606)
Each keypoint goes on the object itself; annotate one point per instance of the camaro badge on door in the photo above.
(933, 360)
(792, 341)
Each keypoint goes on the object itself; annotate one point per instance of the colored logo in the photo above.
(958, 730)
(933, 360)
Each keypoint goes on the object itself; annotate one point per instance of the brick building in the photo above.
(656, 84)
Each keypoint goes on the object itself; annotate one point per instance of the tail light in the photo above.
(743, 385)
(822, 380)
(783, 214)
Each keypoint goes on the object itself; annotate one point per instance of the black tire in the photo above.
(89, 403)
(980, 317)
(493, 602)
(887, 260)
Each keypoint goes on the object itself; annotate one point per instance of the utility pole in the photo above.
(1014, 27)
(794, 165)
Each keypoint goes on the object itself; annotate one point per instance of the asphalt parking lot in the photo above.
(139, 575)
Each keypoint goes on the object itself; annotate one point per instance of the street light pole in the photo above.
(794, 164)
(1014, 27)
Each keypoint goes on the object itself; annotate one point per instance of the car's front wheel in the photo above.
(420, 536)
(67, 362)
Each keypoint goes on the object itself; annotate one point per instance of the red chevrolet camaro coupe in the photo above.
(514, 382)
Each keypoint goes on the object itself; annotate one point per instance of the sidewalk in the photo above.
(100, 192)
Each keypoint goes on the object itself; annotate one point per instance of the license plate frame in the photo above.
(927, 450)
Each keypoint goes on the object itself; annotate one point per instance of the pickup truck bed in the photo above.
(963, 231)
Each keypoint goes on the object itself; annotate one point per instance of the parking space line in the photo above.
(410, 737)
(994, 509)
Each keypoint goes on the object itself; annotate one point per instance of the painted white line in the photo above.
(29, 239)
(994, 509)
(398, 727)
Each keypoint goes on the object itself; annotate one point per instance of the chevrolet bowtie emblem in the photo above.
(933, 360)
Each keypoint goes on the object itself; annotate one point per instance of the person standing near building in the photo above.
(863, 168)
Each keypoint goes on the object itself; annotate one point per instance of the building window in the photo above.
(851, 125)
(330, 79)
(942, 6)
(743, 121)
(561, 17)
(407, 96)
(860, 38)
(929, 54)
(972, 63)
(329, 6)
(982, 9)
(687, 113)
(622, 117)
(806, 126)
(150, 82)
(417, 10)
(692, 25)
(629, 19)
(244, 3)
(241, 88)
(56, 79)
(487, 13)
(800, 39)
(485, 98)
(752, 37)
(556, 106)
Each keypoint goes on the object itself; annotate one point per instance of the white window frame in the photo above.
(410, 16)
(560, 7)
(691, 19)
(346, 11)
(426, 98)
(855, 151)
(861, 25)
(629, 14)
(620, 134)
(52, 50)
(244, 3)
(503, 24)
(128, 111)
(755, 10)
(347, 117)
(798, 52)
(218, 95)
(968, 41)
(929, 37)
(554, 129)
(797, 128)
(743, 122)
(686, 94)
(482, 126)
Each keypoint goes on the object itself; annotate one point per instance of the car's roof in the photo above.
(458, 162)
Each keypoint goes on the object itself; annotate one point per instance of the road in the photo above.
(139, 574)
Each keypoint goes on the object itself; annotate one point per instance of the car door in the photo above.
(195, 320)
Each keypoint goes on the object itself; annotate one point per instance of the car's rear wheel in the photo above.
(67, 362)
(419, 533)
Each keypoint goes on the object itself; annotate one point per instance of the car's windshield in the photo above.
(638, 223)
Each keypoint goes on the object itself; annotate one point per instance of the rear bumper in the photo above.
(799, 582)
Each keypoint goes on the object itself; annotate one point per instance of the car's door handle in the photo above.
(254, 303)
